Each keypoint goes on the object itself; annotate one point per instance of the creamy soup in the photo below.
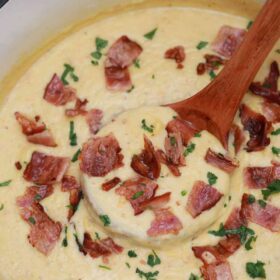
(155, 81)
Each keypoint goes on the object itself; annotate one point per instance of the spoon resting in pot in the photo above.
(214, 107)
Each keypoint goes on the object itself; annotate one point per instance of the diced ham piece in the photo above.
(228, 40)
(164, 160)
(69, 183)
(257, 177)
(239, 137)
(100, 155)
(202, 198)
(271, 111)
(174, 149)
(156, 202)
(258, 128)
(57, 93)
(44, 232)
(165, 222)
(45, 169)
(79, 109)
(186, 129)
(220, 271)
(120, 56)
(147, 163)
(137, 191)
(44, 138)
(220, 161)
(178, 54)
(235, 219)
(93, 119)
(106, 186)
(267, 217)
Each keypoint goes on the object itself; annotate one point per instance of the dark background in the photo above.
(3, 2)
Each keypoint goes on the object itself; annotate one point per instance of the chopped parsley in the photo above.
(32, 220)
(65, 241)
(72, 134)
(212, 178)
(136, 63)
(145, 126)
(69, 71)
(212, 74)
(275, 151)
(78, 242)
(76, 156)
(131, 254)
(131, 89)
(153, 76)
(262, 203)
(250, 23)
(104, 267)
(147, 275)
(251, 199)
(278, 51)
(105, 220)
(256, 270)
(6, 183)
(189, 149)
(127, 264)
(137, 195)
(194, 277)
(276, 132)
(173, 141)
(272, 188)
(100, 44)
(201, 45)
(197, 135)
(97, 236)
(248, 244)
(37, 197)
(1, 207)
(153, 259)
(183, 192)
(150, 35)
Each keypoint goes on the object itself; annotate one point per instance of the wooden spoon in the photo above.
(214, 107)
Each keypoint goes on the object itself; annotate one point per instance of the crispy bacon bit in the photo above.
(220, 161)
(106, 186)
(57, 93)
(212, 62)
(201, 68)
(45, 169)
(235, 219)
(178, 54)
(93, 118)
(34, 194)
(174, 149)
(79, 109)
(201, 198)
(164, 160)
(100, 248)
(228, 40)
(100, 155)
(156, 202)
(220, 271)
(267, 217)
(44, 138)
(120, 56)
(147, 163)
(137, 191)
(69, 183)
(261, 177)
(258, 128)
(165, 222)
(186, 130)
(18, 165)
(44, 231)
(239, 137)
(271, 111)
(272, 80)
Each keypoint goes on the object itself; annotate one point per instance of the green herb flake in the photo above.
(72, 134)
(1, 207)
(256, 270)
(97, 236)
(183, 193)
(94, 62)
(262, 203)
(276, 132)
(32, 220)
(127, 264)
(278, 51)
(100, 43)
(197, 135)
(136, 63)
(131, 89)
(212, 178)
(6, 183)
(272, 188)
(153, 76)
(37, 197)
(212, 74)
(248, 244)
(69, 71)
(137, 195)
(96, 55)
(250, 23)
(251, 199)
(194, 277)
(173, 141)
(201, 45)
(105, 220)
(76, 156)
(275, 151)
(147, 275)
(150, 35)
(189, 149)
(78, 242)
(145, 126)
(131, 254)
(65, 241)
(153, 259)
(104, 267)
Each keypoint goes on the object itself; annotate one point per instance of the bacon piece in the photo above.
(174, 149)
(44, 138)
(156, 202)
(201, 68)
(258, 128)
(34, 194)
(267, 217)
(18, 165)
(178, 54)
(239, 137)
(261, 177)
(100, 155)
(79, 109)
(271, 81)
(164, 160)
(69, 183)
(212, 62)
(146, 163)
(186, 130)
(44, 231)
(267, 93)
(228, 40)
(220, 271)
(120, 56)
(165, 222)
(235, 219)
(45, 169)
(106, 186)
(137, 191)
(271, 111)
(57, 93)
(103, 247)
(93, 119)
(220, 161)
(201, 198)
